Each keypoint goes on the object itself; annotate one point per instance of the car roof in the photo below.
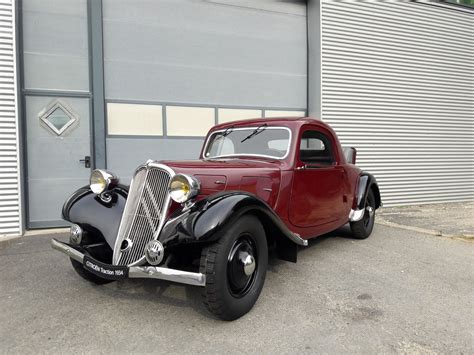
(291, 122)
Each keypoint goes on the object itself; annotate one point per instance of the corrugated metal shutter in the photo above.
(9, 166)
(398, 84)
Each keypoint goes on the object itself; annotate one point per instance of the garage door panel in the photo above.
(226, 53)
(397, 84)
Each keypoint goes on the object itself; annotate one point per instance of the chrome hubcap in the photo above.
(370, 210)
(249, 263)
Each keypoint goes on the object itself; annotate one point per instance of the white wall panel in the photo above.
(10, 212)
(134, 119)
(398, 84)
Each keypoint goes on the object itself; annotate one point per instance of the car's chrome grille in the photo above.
(147, 205)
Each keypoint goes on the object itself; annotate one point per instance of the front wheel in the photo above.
(235, 268)
(363, 228)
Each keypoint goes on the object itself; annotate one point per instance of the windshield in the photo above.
(272, 142)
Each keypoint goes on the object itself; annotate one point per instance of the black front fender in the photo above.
(96, 217)
(205, 220)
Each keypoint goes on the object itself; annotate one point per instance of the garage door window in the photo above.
(134, 119)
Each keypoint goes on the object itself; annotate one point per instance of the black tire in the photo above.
(230, 292)
(363, 228)
(79, 268)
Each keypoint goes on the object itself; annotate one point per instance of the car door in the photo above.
(317, 191)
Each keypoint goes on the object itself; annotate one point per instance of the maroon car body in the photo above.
(209, 222)
(310, 199)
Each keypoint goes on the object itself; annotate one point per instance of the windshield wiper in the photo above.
(258, 130)
(227, 131)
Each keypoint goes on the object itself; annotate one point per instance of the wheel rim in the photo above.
(369, 213)
(242, 265)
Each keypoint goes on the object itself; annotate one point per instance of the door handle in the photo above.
(86, 161)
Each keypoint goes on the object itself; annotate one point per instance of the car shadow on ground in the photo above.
(343, 232)
(176, 295)
(157, 291)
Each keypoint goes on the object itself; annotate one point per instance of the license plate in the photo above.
(106, 271)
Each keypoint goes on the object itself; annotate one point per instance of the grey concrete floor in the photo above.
(448, 219)
(396, 292)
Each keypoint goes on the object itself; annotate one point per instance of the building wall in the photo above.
(10, 187)
(397, 84)
(170, 70)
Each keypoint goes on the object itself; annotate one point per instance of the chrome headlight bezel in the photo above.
(102, 180)
(183, 188)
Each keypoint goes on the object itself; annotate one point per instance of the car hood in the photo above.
(220, 165)
(259, 177)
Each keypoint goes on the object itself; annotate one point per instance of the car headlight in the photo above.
(102, 180)
(183, 187)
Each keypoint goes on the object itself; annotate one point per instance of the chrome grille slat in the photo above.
(147, 204)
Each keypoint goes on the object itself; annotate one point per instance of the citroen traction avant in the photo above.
(258, 184)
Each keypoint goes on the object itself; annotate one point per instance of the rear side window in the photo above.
(315, 148)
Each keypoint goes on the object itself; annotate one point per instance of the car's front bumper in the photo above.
(147, 272)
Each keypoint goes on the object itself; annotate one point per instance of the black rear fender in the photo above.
(366, 183)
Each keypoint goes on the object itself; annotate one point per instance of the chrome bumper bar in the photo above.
(141, 272)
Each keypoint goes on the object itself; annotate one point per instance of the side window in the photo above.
(315, 148)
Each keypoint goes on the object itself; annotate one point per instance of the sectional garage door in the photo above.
(398, 84)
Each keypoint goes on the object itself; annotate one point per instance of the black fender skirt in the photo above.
(366, 182)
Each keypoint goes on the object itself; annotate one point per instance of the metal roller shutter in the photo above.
(9, 167)
(398, 84)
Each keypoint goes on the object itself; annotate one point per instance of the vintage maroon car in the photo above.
(258, 184)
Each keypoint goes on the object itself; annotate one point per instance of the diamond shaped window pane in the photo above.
(58, 117)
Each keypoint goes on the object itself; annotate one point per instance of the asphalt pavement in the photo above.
(453, 219)
(397, 292)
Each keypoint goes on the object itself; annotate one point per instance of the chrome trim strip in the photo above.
(66, 249)
(248, 155)
(298, 240)
(163, 273)
(356, 215)
(144, 272)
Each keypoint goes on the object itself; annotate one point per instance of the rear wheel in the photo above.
(79, 268)
(363, 228)
(235, 268)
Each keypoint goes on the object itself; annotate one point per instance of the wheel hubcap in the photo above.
(370, 210)
(249, 263)
(241, 266)
(369, 214)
